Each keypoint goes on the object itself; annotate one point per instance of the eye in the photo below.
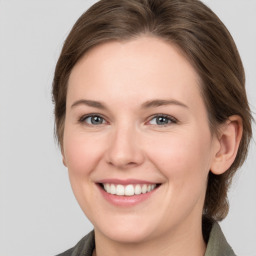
(162, 120)
(93, 120)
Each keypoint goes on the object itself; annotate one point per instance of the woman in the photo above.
(153, 121)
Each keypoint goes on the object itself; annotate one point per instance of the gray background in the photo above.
(38, 212)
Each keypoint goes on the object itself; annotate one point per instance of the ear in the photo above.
(229, 139)
(64, 160)
(63, 156)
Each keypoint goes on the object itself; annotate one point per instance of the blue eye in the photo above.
(162, 120)
(93, 120)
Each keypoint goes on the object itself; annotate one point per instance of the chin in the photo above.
(126, 231)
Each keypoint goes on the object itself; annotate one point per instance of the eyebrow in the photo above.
(90, 103)
(147, 104)
(160, 102)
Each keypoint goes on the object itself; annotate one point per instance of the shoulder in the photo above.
(217, 244)
(67, 253)
(85, 245)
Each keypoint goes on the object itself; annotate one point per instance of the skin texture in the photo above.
(129, 144)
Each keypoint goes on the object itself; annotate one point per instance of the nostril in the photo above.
(122, 163)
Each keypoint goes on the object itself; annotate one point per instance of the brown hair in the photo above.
(204, 40)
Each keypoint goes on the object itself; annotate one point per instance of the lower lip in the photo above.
(126, 201)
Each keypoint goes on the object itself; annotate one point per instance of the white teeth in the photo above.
(128, 190)
(144, 189)
(112, 189)
(120, 190)
(137, 190)
(107, 187)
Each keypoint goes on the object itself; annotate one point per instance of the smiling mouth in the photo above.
(129, 189)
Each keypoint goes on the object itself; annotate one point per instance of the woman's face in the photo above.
(135, 121)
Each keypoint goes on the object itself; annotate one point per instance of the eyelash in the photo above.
(170, 119)
(83, 118)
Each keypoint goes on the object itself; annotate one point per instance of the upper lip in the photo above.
(125, 182)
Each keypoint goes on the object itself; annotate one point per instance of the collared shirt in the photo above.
(217, 245)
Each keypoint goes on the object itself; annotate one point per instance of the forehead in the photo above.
(144, 67)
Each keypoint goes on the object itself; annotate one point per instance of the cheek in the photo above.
(81, 153)
(184, 158)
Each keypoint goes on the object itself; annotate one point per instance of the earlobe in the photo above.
(229, 140)
(63, 157)
(64, 161)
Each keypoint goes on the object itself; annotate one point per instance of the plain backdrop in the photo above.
(39, 215)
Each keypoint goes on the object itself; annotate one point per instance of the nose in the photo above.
(124, 150)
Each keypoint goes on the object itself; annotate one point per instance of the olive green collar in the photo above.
(217, 244)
